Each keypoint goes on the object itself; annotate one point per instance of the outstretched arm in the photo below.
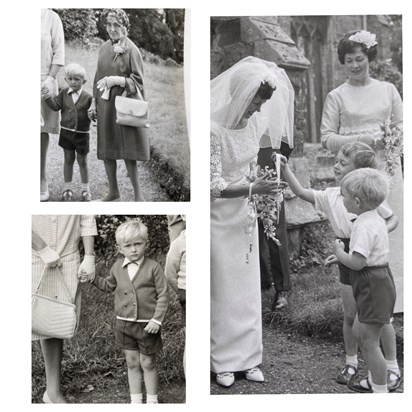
(294, 184)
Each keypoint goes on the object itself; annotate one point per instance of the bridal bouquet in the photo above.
(265, 207)
(391, 141)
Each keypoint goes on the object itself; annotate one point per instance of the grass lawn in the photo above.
(169, 136)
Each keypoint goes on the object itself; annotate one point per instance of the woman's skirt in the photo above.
(236, 318)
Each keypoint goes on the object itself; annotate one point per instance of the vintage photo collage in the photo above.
(273, 142)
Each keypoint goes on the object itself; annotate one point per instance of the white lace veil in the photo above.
(233, 90)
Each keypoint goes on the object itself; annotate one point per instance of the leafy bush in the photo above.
(79, 24)
(105, 243)
(155, 30)
(385, 70)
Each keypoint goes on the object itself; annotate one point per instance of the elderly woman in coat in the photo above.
(119, 69)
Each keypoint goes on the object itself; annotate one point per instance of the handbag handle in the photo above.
(139, 94)
(64, 283)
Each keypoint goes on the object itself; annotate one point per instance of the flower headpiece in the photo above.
(364, 37)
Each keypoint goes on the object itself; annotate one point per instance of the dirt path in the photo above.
(294, 365)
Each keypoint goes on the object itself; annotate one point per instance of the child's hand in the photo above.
(283, 159)
(339, 245)
(331, 260)
(152, 327)
(92, 114)
(45, 92)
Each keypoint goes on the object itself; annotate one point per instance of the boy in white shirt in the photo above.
(351, 156)
(363, 190)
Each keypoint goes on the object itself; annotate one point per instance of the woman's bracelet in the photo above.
(250, 189)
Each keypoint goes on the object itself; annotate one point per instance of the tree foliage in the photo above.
(159, 31)
(387, 71)
(78, 24)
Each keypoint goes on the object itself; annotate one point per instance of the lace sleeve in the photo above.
(217, 183)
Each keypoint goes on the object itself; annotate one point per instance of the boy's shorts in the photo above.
(73, 141)
(131, 336)
(344, 271)
(374, 292)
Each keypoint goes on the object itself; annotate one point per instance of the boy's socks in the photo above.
(67, 186)
(151, 398)
(392, 365)
(379, 388)
(352, 360)
(136, 397)
(85, 187)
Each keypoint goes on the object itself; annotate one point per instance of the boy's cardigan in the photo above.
(145, 297)
(74, 116)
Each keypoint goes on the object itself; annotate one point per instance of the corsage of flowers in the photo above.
(119, 48)
(265, 207)
(392, 143)
(364, 37)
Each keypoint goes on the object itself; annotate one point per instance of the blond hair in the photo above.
(361, 154)
(370, 186)
(74, 68)
(130, 230)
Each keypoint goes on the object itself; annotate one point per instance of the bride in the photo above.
(251, 99)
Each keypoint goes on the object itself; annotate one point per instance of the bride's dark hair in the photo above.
(349, 46)
(265, 91)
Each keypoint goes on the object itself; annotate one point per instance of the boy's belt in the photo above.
(74, 130)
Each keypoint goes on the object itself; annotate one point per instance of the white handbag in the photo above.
(131, 111)
(52, 317)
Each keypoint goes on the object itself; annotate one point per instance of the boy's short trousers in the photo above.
(374, 292)
(131, 336)
(344, 271)
(78, 142)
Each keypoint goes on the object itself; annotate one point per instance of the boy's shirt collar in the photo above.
(126, 261)
(79, 92)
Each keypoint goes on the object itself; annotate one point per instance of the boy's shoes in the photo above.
(67, 196)
(225, 379)
(346, 374)
(86, 196)
(44, 196)
(280, 300)
(255, 375)
(362, 386)
(394, 380)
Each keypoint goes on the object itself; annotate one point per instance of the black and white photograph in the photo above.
(258, 146)
(306, 215)
(113, 113)
(108, 308)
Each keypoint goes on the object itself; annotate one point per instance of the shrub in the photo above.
(79, 24)
(105, 243)
(385, 70)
